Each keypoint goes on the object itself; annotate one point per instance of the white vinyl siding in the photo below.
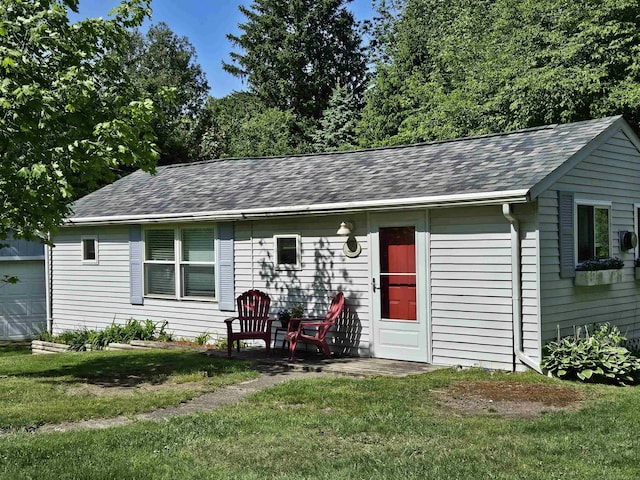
(609, 175)
(471, 306)
(96, 295)
(324, 270)
(22, 305)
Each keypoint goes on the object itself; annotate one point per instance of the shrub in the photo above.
(596, 358)
(99, 339)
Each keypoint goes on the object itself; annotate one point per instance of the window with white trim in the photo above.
(287, 251)
(180, 262)
(593, 231)
(89, 249)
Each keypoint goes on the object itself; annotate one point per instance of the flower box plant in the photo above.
(599, 271)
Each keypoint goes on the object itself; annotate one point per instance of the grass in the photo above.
(11, 350)
(37, 389)
(340, 428)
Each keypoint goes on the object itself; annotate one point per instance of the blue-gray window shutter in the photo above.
(566, 235)
(226, 283)
(135, 265)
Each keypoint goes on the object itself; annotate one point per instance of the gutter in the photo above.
(48, 284)
(488, 198)
(516, 288)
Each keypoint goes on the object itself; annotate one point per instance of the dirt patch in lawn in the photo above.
(510, 399)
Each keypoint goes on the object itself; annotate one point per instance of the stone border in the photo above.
(39, 347)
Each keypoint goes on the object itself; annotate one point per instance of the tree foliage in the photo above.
(161, 60)
(292, 54)
(66, 110)
(239, 125)
(466, 67)
(337, 129)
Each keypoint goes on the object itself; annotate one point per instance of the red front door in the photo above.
(398, 273)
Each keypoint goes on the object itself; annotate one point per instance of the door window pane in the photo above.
(398, 273)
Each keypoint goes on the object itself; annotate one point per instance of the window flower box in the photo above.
(590, 278)
(602, 271)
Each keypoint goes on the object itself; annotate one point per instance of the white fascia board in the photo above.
(488, 198)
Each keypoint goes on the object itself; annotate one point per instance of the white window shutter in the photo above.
(566, 235)
(226, 282)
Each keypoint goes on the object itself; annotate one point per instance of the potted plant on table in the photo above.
(284, 316)
(297, 311)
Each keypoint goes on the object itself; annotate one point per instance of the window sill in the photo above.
(593, 278)
(183, 299)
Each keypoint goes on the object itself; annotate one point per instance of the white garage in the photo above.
(22, 305)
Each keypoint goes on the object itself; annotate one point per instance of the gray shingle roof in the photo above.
(474, 166)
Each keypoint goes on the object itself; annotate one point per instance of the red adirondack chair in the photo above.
(253, 320)
(318, 339)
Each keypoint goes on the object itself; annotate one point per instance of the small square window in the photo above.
(89, 250)
(287, 251)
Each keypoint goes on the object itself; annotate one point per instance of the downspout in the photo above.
(516, 288)
(48, 284)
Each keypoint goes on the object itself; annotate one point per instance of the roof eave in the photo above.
(470, 199)
(547, 182)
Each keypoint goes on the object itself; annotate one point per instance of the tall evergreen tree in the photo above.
(293, 52)
(337, 130)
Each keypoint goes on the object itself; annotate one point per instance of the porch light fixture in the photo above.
(345, 229)
(351, 247)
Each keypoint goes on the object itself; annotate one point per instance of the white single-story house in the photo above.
(461, 252)
(22, 305)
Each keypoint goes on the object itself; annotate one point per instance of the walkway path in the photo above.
(272, 373)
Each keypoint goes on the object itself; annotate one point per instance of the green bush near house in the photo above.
(99, 339)
(598, 357)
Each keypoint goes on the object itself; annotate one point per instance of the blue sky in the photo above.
(206, 24)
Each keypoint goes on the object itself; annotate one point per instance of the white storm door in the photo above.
(398, 286)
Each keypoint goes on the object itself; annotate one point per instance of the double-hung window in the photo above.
(180, 262)
(593, 225)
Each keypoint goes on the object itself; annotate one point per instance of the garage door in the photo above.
(22, 306)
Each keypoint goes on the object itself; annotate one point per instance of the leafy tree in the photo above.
(66, 110)
(270, 132)
(337, 129)
(292, 54)
(239, 125)
(470, 67)
(159, 60)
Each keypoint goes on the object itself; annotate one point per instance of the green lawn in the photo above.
(342, 428)
(37, 389)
